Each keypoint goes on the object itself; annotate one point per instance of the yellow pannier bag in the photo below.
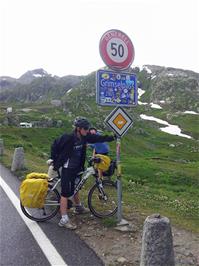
(33, 192)
(104, 164)
(37, 175)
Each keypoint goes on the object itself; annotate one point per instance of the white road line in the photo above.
(46, 246)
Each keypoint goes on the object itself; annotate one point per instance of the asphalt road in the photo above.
(18, 246)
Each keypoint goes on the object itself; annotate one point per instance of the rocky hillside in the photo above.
(7, 83)
(176, 87)
(179, 89)
(36, 86)
(52, 101)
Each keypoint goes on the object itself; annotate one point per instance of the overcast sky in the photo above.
(62, 36)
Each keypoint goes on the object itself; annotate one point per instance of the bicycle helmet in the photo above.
(81, 122)
(93, 128)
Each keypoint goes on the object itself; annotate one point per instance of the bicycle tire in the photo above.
(100, 207)
(50, 209)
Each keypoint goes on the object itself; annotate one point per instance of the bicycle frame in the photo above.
(101, 197)
(89, 171)
(85, 175)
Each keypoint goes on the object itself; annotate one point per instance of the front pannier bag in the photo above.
(104, 162)
(33, 191)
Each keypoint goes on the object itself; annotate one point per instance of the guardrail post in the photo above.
(1, 147)
(157, 242)
(18, 159)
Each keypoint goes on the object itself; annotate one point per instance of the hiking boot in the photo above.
(67, 225)
(81, 210)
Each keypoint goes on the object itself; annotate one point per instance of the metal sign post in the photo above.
(119, 121)
(117, 88)
(119, 182)
(120, 220)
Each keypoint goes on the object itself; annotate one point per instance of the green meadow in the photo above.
(160, 172)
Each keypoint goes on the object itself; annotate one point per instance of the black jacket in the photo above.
(62, 148)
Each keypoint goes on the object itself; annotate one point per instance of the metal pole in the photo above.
(119, 182)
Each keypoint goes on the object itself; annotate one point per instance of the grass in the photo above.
(155, 176)
(109, 222)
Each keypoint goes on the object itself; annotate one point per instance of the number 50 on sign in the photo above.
(116, 50)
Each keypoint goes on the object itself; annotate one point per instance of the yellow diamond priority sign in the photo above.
(119, 121)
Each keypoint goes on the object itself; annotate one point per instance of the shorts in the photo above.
(68, 177)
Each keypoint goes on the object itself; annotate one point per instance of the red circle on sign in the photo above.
(116, 49)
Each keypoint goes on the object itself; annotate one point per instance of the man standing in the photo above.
(101, 148)
(69, 152)
(98, 148)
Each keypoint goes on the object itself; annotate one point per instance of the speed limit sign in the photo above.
(116, 49)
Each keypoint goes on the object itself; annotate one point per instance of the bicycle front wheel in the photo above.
(50, 209)
(103, 203)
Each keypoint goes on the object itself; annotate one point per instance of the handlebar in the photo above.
(93, 160)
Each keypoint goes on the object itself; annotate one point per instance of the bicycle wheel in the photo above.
(50, 209)
(103, 205)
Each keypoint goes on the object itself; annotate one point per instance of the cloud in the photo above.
(63, 36)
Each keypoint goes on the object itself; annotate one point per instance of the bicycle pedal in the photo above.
(100, 197)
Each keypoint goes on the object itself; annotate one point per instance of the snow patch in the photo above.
(140, 92)
(26, 110)
(37, 75)
(174, 130)
(147, 69)
(156, 106)
(69, 91)
(141, 103)
(139, 66)
(171, 129)
(191, 112)
(152, 118)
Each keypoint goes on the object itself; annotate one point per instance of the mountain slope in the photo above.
(174, 91)
(178, 88)
(31, 75)
(36, 86)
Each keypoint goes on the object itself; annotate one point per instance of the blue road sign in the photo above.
(116, 88)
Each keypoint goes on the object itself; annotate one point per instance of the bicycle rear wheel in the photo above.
(100, 205)
(50, 209)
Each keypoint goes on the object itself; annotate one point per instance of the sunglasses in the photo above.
(86, 128)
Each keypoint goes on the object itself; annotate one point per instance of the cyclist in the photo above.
(101, 148)
(69, 152)
(98, 148)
